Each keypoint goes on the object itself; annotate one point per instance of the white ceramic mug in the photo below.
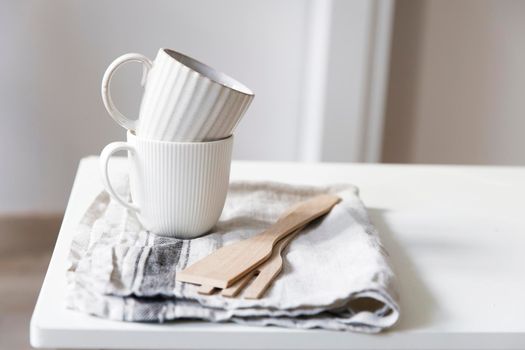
(178, 189)
(183, 100)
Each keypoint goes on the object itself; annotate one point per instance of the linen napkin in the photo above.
(336, 274)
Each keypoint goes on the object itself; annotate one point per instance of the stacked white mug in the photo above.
(180, 146)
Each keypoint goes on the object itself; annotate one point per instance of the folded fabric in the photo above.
(336, 274)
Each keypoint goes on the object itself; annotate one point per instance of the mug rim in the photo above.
(132, 134)
(221, 78)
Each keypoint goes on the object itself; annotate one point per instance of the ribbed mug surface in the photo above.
(179, 187)
(185, 100)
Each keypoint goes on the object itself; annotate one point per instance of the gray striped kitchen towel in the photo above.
(336, 274)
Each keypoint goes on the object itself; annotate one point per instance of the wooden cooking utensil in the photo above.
(265, 274)
(227, 265)
(206, 290)
(273, 264)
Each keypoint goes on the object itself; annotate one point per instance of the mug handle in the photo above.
(106, 154)
(127, 123)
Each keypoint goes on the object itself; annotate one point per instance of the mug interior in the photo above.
(209, 72)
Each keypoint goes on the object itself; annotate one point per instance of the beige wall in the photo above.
(457, 84)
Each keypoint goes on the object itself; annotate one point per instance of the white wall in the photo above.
(457, 85)
(53, 55)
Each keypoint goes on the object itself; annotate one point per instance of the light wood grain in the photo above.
(236, 288)
(206, 290)
(265, 274)
(269, 272)
(225, 266)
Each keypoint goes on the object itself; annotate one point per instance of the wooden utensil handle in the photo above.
(303, 214)
(269, 271)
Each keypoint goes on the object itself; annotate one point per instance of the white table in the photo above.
(456, 236)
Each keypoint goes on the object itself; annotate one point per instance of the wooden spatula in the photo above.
(264, 274)
(267, 271)
(227, 265)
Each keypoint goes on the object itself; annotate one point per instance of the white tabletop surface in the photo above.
(456, 236)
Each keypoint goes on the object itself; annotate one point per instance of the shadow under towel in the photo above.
(336, 274)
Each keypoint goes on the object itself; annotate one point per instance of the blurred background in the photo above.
(374, 81)
(406, 81)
